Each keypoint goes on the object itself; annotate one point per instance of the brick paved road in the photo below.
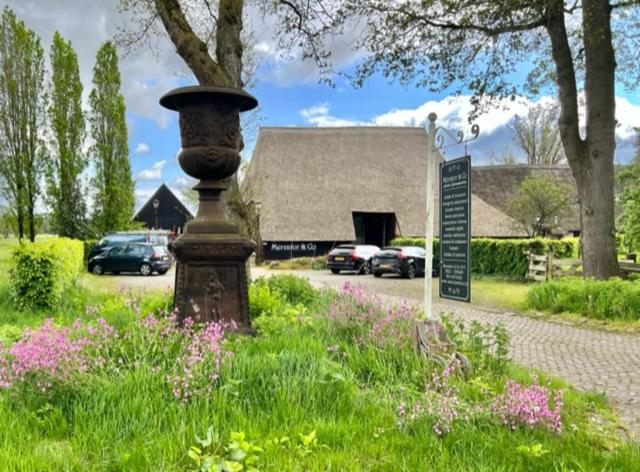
(589, 359)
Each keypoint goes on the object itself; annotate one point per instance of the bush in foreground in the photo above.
(613, 299)
(44, 270)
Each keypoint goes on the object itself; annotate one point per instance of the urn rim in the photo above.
(202, 93)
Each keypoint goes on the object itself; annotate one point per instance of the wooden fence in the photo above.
(545, 267)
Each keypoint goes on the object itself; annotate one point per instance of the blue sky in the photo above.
(288, 92)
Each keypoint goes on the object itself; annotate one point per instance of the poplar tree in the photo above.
(65, 167)
(22, 119)
(113, 183)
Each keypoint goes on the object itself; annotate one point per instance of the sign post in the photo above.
(455, 217)
(455, 229)
(431, 182)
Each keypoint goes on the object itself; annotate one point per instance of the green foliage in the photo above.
(293, 289)
(44, 270)
(612, 299)
(486, 346)
(22, 115)
(263, 300)
(114, 200)
(64, 168)
(504, 257)
(238, 455)
(280, 301)
(538, 202)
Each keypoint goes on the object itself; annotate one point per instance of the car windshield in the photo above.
(391, 249)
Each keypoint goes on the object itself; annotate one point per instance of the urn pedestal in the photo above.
(211, 277)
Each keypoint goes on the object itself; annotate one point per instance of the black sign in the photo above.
(455, 229)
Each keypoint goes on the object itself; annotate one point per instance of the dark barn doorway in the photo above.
(374, 228)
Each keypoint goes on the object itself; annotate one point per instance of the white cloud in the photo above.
(143, 148)
(453, 114)
(154, 173)
(318, 115)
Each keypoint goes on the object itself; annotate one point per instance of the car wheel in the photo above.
(97, 269)
(366, 268)
(145, 269)
(411, 272)
(377, 274)
(162, 272)
(335, 271)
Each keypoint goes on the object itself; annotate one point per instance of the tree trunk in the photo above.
(591, 159)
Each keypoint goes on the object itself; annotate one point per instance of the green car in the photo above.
(133, 257)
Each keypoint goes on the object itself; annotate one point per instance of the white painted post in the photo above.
(431, 182)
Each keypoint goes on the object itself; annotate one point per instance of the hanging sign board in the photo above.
(455, 229)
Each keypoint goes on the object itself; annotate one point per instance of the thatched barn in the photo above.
(323, 186)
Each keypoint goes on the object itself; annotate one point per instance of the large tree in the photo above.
(538, 136)
(482, 46)
(113, 183)
(22, 119)
(67, 163)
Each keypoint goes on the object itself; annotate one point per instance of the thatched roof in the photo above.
(495, 184)
(310, 180)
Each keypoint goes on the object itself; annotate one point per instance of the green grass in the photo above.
(284, 383)
(499, 293)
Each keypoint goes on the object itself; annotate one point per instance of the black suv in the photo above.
(351, 257)
(134, 257)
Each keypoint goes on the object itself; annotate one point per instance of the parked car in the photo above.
(133, 257)
(351, 257)
(407, 261)
(157, 237)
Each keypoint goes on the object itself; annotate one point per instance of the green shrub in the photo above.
(503, 257)
(44, 270)
(263, 300)
(293, 289)
(601, 299)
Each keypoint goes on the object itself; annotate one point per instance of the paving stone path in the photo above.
(589, 359)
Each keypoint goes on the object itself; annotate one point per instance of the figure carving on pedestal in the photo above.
(214, 290)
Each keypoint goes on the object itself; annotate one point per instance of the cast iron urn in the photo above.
(211, 276)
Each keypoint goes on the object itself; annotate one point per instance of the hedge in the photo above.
(601, 299)
(88, 245)
(43, 270)
(504, 257)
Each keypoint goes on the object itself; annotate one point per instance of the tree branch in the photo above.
(189, 46)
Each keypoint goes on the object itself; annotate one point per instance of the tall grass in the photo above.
(293, 379)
